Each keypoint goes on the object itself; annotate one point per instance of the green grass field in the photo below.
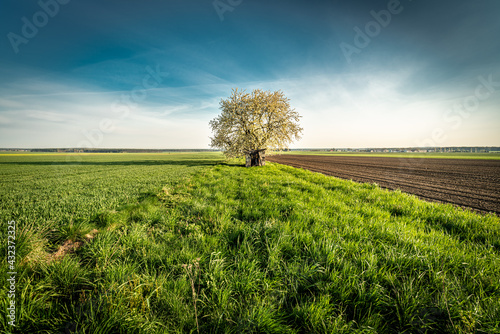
(187, 243)
(487, 156)
(57, 189)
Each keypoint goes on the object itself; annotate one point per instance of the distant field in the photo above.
(187, 243)
(494, 156)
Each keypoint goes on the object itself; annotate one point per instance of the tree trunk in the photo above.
(256, 158)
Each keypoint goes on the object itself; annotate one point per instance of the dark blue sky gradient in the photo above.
(429, 56)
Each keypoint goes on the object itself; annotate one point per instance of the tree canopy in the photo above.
(262, 120)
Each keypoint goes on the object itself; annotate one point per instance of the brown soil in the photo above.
(465, 182)
(70, 246)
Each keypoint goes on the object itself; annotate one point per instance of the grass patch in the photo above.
(271, 250)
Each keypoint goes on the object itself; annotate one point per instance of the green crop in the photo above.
(205, 246)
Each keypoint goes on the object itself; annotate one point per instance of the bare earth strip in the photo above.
(464, 182)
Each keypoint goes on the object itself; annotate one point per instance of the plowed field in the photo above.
(465, 182)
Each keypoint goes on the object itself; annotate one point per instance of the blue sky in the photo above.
(131, 74)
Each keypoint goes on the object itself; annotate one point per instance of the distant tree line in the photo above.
(113, 150)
